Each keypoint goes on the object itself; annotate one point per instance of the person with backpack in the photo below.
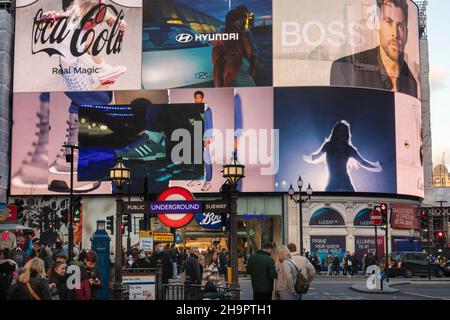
(306, 271)
(32, 283)
(286, 275)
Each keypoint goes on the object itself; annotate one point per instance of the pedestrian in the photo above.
(192, 267)
(336, 265)
(286, 275)
(61, 257)
(318, 264)
(91, 279)
(354, 261)
(223, 263)
(141, 261)
(211, 270)
(160, 255)
(7, 269)
(58, 281)
(330, 260)
(261, 268)
(32, 283)
(364, 263)
(346, 265)
(302, 264)
(58, 250)
(174, 257)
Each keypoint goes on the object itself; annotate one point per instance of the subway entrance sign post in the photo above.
(175, 207)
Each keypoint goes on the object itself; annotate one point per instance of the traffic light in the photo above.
(423, 219)
(77, 206)
(384, 214)
(439, 236)
(122, 228)
(110, 224)
(126, 222)
(20, 208)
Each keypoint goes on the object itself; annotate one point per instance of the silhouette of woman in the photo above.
(340, 156)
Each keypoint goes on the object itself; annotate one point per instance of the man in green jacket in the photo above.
(261, 268)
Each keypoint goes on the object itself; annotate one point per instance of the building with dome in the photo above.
(441, 178)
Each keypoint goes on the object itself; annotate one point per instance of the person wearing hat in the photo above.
(261, 268)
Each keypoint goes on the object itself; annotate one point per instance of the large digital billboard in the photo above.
(357, 43)
(206, 43)
(79, 45)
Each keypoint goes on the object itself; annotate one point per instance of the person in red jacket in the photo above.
(91, 279)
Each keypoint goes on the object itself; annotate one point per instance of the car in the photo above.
(409, 264)
(446, 268)
(172, 57)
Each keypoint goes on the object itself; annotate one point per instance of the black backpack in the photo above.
(301, 284)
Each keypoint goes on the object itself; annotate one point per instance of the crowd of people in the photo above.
(41, 274)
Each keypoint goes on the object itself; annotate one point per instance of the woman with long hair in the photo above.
(340, 156)
(32, 283)
(286, 275)
(58, 280)
(235, 61)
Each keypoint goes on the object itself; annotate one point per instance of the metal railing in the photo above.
(189, 292)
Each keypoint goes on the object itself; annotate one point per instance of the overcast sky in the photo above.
(439, 48)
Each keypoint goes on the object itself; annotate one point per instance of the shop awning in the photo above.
(12, 226)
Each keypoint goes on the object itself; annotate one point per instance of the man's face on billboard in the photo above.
(198, 98)
(393, 31)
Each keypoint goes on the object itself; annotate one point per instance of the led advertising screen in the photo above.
(356, 43)
(206, 43)
(80, 45)
(328, 90)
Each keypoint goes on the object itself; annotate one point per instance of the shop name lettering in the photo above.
(210, 219)
(328, 222)
(53, 32)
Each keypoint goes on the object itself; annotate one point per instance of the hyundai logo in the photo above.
(202, 75)
(184, 37)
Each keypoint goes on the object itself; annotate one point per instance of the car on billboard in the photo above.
(174, 57)
(409, 264)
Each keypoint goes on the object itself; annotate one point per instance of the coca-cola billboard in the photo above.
(404, 216)
(79, 45)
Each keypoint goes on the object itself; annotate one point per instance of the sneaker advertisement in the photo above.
(80, 45)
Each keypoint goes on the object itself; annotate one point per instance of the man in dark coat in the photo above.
(383, 67)
(160, 254)
(261, 268)
(192, 267)
(91, 280)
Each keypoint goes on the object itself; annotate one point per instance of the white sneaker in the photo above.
(194, 183)
(108, 72)
(206, 186)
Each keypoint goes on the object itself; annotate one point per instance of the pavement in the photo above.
(340, 288)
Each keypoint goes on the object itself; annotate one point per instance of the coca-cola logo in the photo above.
(51, 30)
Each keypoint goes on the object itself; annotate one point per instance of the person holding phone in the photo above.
(91, 280)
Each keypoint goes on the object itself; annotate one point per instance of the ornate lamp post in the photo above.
(300, 202)
(234, 172)
(119, 175)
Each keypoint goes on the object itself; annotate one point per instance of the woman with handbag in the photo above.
(32, 283)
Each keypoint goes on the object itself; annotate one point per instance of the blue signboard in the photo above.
(209, 220)
(362, 218)
(164, 207)
(323, 244)
(326, 217)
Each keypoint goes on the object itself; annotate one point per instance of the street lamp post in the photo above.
(119, 175)
(70, 158)
(300, 202)
(233, 173)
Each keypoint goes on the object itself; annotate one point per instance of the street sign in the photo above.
(133, 207)
(375, 217)
(167, 207)
(216, 206)
(163, 236)
(176, 216)
(146, 241)
(8, 213)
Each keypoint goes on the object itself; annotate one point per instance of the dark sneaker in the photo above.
(145, 148)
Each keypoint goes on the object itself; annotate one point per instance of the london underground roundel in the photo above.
(176, 220)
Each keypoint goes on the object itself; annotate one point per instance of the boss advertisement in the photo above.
(357, 43)
(79, 45)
